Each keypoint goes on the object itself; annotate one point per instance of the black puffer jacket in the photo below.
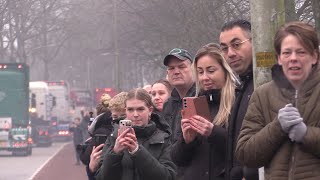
(151, 161)
(204, 158)
(234, 170)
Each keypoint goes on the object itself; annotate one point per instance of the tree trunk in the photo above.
(264, 26)
(316, 13)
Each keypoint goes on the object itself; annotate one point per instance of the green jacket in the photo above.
(263, 143)
(151, 162)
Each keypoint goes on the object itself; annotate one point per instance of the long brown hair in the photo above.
(140, 94)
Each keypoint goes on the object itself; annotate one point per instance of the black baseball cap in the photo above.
(178, 53)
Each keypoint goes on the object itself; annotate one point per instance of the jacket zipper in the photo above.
(292, 159)
(292, 163)
(296, 99)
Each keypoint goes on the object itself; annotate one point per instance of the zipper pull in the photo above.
(296, 99)
(210, 97)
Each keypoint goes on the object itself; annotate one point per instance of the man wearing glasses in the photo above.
(236, 45)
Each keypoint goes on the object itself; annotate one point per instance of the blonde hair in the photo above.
(117, 103)
(228, 90)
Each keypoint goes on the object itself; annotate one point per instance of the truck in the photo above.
(81, 99)
(40, 112)
(61, 110)
(43, 99)
(61, 101)
(15, 130)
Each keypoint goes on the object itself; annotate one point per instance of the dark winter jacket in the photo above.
(204, 158)
(234, 170)
(151, 161)
(77, 134)
(161, 123)
(172, 111)
(102, 126)
(262, 142)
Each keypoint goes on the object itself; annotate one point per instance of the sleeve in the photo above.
(111, 167)
(218, 137)
(182, 153)
(311, 141)
(86, 153)
(258, 141)
(151, 168)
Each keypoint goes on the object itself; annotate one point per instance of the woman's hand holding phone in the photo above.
(201, 125)
(131, 141)
(120, 144)
(189, 134)
(95, 158)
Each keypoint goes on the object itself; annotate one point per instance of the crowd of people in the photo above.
(276, 126)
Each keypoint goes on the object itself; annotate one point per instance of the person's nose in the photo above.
(231, 52)
(135, 113)
(176, 71)
(157, 97)
(293, 57)
(204, 77)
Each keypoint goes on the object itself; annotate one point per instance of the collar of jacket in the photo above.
(248, 75)
(213, 95)
(244, 79)
(160, 122)
(279, 78)
(191, 92)
(145, 131)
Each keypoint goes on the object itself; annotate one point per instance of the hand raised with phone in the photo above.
(189, 134)
(95, 157)
(126, 137)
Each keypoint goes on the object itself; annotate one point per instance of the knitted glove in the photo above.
(288, 117)
(297, 132)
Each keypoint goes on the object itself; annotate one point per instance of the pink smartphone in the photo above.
(124, 124)
(196, 106)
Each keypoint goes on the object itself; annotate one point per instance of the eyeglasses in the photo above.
(234, 45)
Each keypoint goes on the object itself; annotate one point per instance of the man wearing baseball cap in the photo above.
(179, 74)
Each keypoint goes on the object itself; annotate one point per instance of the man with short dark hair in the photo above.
(236, 45)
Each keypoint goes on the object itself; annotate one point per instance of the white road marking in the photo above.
(39, 169)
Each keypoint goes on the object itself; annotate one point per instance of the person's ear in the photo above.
(279, 60)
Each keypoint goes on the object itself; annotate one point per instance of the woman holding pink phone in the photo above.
(140, 152)
(202, 145)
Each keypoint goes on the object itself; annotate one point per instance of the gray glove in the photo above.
(288, 117)
(297, 132)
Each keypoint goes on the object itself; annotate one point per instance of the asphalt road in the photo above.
(45, 163)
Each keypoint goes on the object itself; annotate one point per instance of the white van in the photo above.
(40, 91)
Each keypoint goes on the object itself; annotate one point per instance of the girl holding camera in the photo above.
(140, 152)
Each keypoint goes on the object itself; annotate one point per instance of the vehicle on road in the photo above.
(15, 130)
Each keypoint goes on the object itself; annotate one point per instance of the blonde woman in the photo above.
(202, 145)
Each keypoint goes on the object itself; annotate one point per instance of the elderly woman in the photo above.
(281, 130)
(141, 152)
